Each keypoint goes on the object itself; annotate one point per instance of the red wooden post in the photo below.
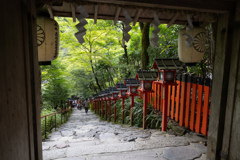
(178, 97)
(95, 106)
(193, 103)
(123, 110)
(169, 100)
(161, 99)
(173, 102)
(164, 108)
(199, 105)
(158, 97)
(109, 112)
(115, 101)
(102, 109)
(99, 108)
(106, 108)
(132, 105)
(145, 110)
(188, 97)
(155, 99)
(205, 106)
(183, 96)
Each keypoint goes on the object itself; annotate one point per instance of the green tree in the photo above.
(54, 86)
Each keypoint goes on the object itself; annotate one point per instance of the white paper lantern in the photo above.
(195, 53)
(47, 39)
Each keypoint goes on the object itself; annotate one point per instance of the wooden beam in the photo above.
(117, 15)
(213, 6)
(173, 19)
(95, 14)
(73, 7)
(50, 11)
(121, 18)
(139, 11)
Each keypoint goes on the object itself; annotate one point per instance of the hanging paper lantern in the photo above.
(194, 53)
(47, 39)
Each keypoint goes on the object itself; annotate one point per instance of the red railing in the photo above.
(64, 115)
(188, 102)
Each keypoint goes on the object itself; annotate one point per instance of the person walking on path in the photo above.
(86, 105)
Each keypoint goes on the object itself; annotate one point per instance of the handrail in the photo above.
(63, 110)
(53, 113)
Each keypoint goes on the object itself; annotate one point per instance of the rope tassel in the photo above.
(80, 26)
(156, 23)
(127, 28)
(189, 39)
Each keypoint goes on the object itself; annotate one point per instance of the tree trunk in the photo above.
(111, 78)
(125, 48)
(99, 86)
(145, 44)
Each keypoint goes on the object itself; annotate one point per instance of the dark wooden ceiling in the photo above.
(168, 11)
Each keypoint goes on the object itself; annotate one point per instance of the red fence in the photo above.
(188, 102)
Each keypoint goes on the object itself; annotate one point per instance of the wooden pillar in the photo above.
(231, 140)
(20, 135)
(220, 85)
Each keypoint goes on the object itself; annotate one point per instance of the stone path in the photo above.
(85, 137)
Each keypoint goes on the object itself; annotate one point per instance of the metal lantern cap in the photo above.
(102, 93)
(132, 82)
(107, 91)
(113, 90)
(146, 75)
(121, 86)
(167, 64)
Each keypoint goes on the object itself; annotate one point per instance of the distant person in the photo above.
(86, 105)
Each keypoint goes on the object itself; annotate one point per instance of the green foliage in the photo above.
(54, 85)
